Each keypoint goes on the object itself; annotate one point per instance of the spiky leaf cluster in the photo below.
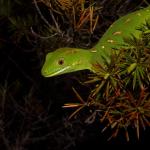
(128, 103)
(121, 97)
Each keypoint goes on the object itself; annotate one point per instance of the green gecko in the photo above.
(66, 60)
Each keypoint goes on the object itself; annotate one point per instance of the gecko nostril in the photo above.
(43, 71)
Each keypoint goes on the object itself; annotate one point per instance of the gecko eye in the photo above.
(61, 61)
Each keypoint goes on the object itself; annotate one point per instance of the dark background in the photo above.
(31, 113)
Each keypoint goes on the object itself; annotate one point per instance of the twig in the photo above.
(42, 37)
(41, 15)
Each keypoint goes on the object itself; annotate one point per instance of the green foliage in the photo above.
(108, 77)
(137, 59)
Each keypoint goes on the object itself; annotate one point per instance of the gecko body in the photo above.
(66, 60)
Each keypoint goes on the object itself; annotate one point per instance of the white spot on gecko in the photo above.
(138, 14)
(103, 46)
(111, 25)
(77, 63)
(72, 51)
(128, 20)
(93, 50)
(110, 41)
(117, 33)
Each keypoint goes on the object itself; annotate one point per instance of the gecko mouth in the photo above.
(57, 72)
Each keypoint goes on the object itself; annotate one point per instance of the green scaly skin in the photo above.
(66, 60)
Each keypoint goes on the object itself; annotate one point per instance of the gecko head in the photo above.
(66, 60)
